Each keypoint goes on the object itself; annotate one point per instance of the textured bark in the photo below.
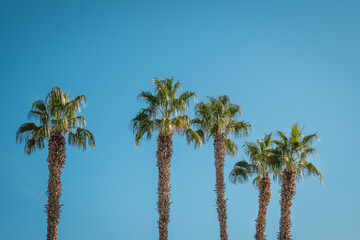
(163, 155)
(56, 160)
(220, 148)
(287, 194)
(264, 199)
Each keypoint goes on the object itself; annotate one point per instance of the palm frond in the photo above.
(308, 169)
(142, 124)
(38, 112)
(181, 124)
(56, 97)
(309, 139)
(251, 149)
(25, 132)
(197, 138)
(148, 97)
(268, 140)
(31, 145)
(71, 107)
(241, 172)
(238, 128)
(234, 111)
(82, 138)
(76, 121)
(231, 148)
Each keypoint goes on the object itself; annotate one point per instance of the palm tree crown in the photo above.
(262, 161)
(162, 112)
(294, 151)
(219, 116)
(57, 114)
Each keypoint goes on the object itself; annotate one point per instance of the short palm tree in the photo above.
(57, 117)
(161, 116)
(293, 152)
(217, 118)
(262, 162)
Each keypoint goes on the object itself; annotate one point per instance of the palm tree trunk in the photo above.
(56, 160)
(264, 199)
(163, 155)
(287, 194)
(219, 147)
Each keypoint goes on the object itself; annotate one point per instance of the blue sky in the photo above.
(281, 61)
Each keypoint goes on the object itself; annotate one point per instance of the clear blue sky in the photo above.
(282, 61)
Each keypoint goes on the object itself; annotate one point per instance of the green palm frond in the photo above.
(268, 140)
(149, 98)
(225, 100)
(295, 133)
(306, 152)
(241, 172)
(283, 137)
(313, 171)
(231, 148)
(142, 124)
(76, 121)
(38, 112)
(70, 107)
(25, 132)
(308, 169)
(186, 96)
(234, 111)
(196, 138)
(251, 149)
(56, 97)
(173, 89)
(182, 103)
(181, 124)
(31, 145)
(82, 138)
(256, 180)
(309, 139)
(239, 129)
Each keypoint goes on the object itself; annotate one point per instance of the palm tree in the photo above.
(217, 118)
(161, 116)
(262, 162)
(293, 152)
(56, 117)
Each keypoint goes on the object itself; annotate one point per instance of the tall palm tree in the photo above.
(217, 118)
(293, 152)
(262, 162)
(56, 117)
(161, 116)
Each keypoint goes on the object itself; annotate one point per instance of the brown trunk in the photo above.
(264, 199)
(287, 194)
(56, 160)
(163, 155)
(220, 148)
